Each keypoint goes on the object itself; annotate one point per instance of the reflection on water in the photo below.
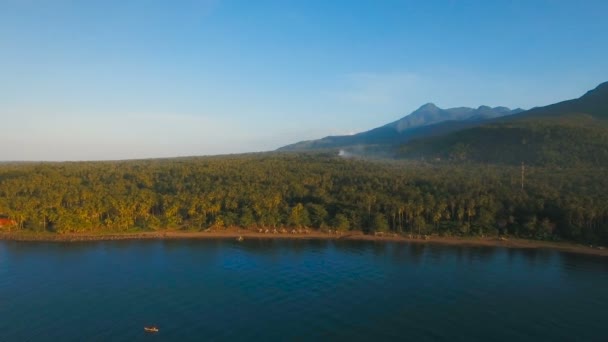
(296, 289)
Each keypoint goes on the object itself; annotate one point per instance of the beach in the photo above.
(234, 233)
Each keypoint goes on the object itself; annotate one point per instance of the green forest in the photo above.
(313, 190)
(569, 141)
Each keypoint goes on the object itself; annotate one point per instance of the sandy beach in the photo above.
(311, 235)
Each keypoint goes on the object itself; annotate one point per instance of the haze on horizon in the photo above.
(103, 80)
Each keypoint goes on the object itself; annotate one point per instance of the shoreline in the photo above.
(314, 235)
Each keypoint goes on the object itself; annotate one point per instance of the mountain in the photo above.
(427, 120)
(593, 103)
(568, 133)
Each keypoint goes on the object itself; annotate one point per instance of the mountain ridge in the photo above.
(411, 125)
(566, 133)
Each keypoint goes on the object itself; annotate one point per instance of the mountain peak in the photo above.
(429, 121)
(426, 120)
(428, 106)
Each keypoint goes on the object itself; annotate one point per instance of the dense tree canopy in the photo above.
(320, 191)
(572, 141)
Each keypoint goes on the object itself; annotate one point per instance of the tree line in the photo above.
(318, 191)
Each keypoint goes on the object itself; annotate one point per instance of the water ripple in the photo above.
(297, 290)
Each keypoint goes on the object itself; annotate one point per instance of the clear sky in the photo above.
(87, 80)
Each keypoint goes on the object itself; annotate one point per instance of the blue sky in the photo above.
(88, 80)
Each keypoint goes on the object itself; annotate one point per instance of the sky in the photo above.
(104, 80)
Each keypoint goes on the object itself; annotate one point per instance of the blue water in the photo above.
(271, 290)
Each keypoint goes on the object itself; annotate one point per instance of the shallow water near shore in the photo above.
(297, 290)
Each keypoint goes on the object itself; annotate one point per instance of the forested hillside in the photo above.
(576, 141)
(319, 191)
(569, 133)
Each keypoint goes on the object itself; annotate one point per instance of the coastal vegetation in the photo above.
(318, 191)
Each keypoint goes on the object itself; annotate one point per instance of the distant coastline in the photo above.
(312, 235)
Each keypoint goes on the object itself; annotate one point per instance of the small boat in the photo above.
(151, 329)
(240, 238)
